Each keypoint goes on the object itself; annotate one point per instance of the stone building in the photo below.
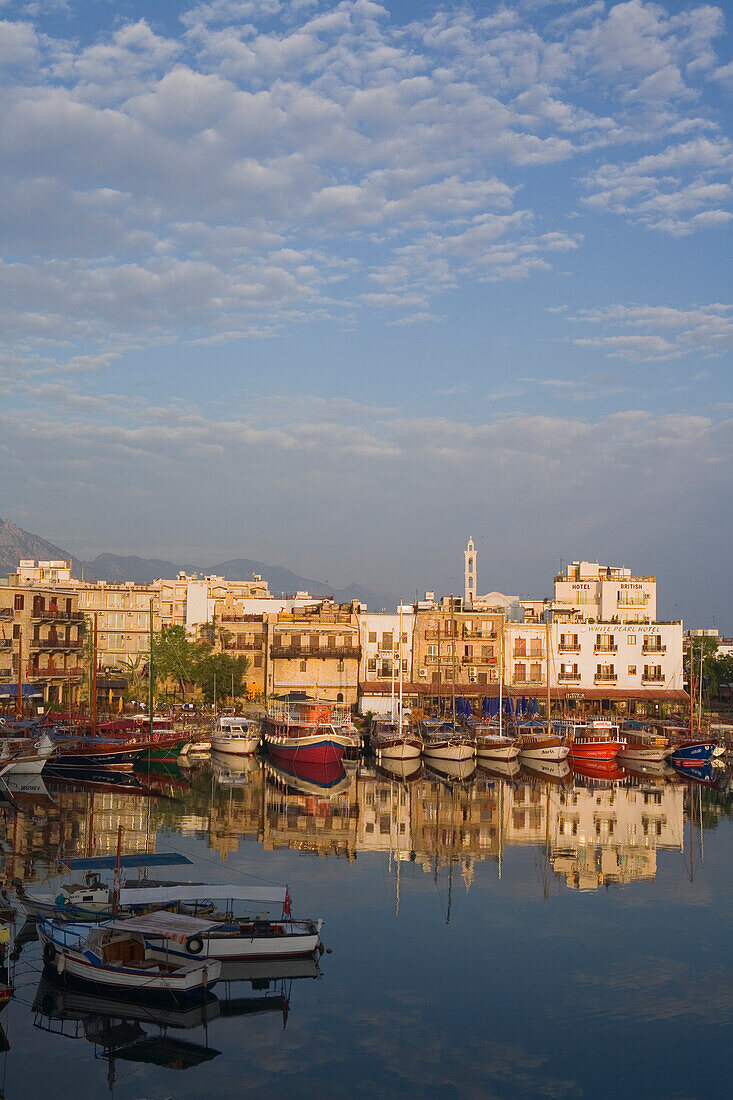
(455, 650)
(315, 649)
(42, 635)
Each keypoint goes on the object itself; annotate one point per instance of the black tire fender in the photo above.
(194, 945)
(49, 953)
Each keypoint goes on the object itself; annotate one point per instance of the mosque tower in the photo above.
(469, 573)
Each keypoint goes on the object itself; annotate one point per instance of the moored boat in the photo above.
(118, 958)
(24, 755)
(234, 736)
(691, 752)
(443, 741)
(300, 728)
(538, 743)
(596, 741)
(391, 740)
(642, 746)
(493, 745)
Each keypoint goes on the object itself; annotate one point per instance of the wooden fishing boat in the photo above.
(538, 743)
(642, 746)
(443, 741)
(300, 728)
(493, 745)
(178, 935)
(119, 958)
(596, 741)
(391, 740)
(24, 755)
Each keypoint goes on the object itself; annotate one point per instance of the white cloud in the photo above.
(660, 332)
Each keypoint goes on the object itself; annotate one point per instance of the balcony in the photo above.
(478, 636)
(568, 677)
(231, 643)
(57, 671)
(652, 649)
(571, 647)
(6, 643)
(605, 649)
(6, 613)
(55, 643)
(652, 678)
(56, 616)
(605, 678)
(291, 653)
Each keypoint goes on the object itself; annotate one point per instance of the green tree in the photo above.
(226, 672)
(175, 657)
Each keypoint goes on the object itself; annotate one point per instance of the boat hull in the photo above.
(235, 746)
(457, 751)
(398, 748)
(691, 756)
(550, 749)
(497, 750)
(595, 751)
(641, 754)
(285, 944)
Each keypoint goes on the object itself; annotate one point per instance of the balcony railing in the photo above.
(568, 676)
(232, 643)
(651, 649)
(6, 643)
(605, 648)
(6, 613)
(294, 654)
(605, 678)
(652, 678)
(55, 643)
(571, 647)
(63, 616)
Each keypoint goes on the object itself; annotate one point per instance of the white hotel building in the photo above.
(607, 652)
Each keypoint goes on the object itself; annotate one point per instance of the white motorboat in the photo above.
(538, 742)
(235, 737)
(442, 741)
(643, 747)
(116, 957)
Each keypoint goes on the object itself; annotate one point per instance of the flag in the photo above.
(119, 708)
(286, 904)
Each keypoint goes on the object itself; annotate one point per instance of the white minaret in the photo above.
(469, 572)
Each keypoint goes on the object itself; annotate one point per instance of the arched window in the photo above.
(340, 697)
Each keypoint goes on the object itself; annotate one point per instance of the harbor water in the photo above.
(486, 936)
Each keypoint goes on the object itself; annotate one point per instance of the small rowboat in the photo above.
(115, 957)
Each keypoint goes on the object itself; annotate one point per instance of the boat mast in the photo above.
(150, 671)
(94, 677)
(20, 672)
(399, 659)
(699, 709)
(440, 698)
(692, 691)
(392, 708)
(547, 671)
(501, 675)
(453, 661)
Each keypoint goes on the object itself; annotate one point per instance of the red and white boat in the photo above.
(598, 741)
(300, 729)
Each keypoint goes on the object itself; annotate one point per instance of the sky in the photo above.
(336, 286)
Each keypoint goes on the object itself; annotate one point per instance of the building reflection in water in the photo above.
(591, 833)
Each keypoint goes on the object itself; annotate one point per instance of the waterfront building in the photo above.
(386, 640)
(590, 592)
(315, 649)
(42, 637)
(456, 650)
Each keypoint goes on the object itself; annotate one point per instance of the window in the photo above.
(520, 673)
(258, 660)
(487, 651)
(385, 668)
(468, 651)
(372, 635)
(535, 673)
(372, 664)
(432, 651)
(340, 665)
(331, 641)
(632, 639)
(482, 678)
(19, 601)
(404, 665)
(520, 647)
(632, 670)
(303, 666)
(387, 639)
(535, 647)
(404, 637)
(340, 697)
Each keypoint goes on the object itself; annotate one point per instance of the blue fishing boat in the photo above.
(691, 753)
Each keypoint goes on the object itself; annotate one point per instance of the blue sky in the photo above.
(337, 285)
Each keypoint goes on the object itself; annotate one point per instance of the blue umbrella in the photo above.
(486, 707)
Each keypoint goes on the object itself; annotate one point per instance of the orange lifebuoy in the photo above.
(156, 737)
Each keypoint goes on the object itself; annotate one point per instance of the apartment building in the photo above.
(386, 657)
(315, 649)
(455, 650)
(603, 593)
(42, 640)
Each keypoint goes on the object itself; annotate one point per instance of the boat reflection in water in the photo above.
(552, 771)
(310, 777)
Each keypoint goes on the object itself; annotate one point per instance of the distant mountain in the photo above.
(15, 543)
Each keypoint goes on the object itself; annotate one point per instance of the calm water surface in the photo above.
(487, 938)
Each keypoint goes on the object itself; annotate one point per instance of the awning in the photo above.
(27, 691)
(261, 895)
(176, 926)
(651, 695)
